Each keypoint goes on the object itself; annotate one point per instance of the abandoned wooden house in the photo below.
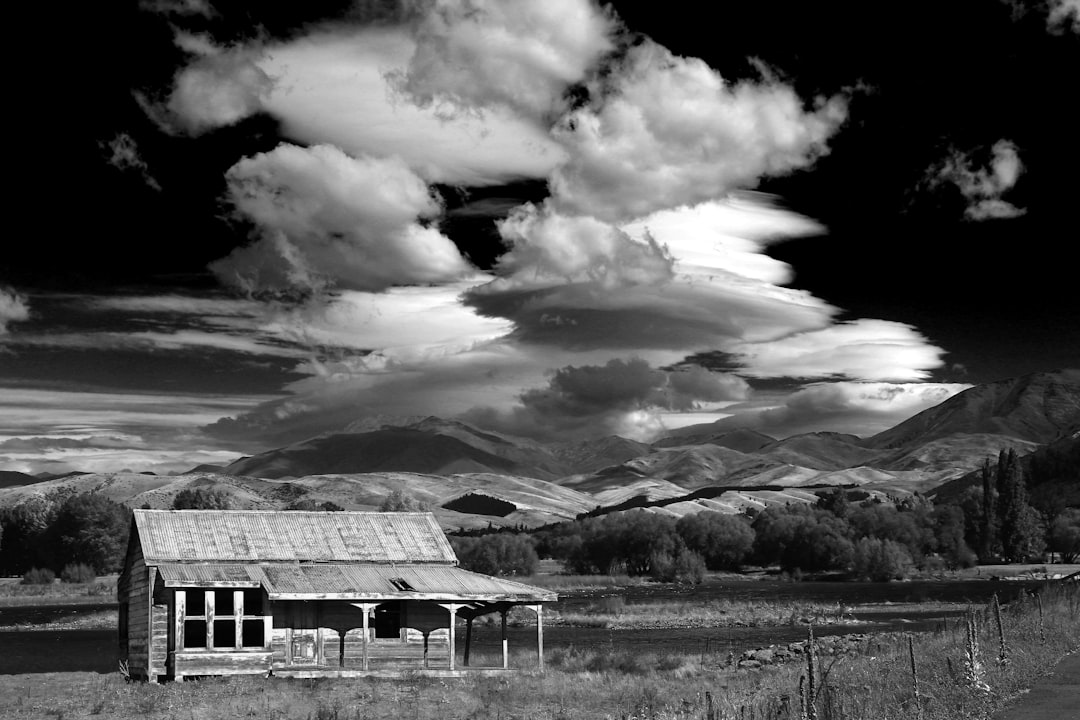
(304, 594)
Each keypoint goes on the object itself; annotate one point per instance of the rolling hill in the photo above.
(1038, 408)
(471, 477)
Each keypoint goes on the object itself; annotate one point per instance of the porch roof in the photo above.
(291, 581)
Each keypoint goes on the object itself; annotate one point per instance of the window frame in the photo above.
(207, 615)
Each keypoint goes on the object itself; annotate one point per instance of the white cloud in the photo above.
(727, 236)
(124, 155)
(548, 248)
(518, 54)
(694, 278)
(332, 88)
(857, 349)
(331, 220)
(665, 131)
(221, 87)
(1064, 15)
(408, 323)
(13, 308)
(178, 7)
(983, 187)
(860, 408)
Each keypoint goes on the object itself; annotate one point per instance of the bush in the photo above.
(496, 554)
(201, 499)
(38, 576)
(78, 573)
(399, 501)
(682, 566)
(881, 560)
(723, 541)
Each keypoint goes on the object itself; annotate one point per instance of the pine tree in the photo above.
(1020, 526)
(989, 530)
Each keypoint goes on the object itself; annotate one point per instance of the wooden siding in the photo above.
(137, 630)
(159, 629)
(189, 663)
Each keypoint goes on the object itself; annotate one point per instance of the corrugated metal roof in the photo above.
(177, 575)
(254, 536)
(289, 581)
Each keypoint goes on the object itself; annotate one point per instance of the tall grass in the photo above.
(892, 677)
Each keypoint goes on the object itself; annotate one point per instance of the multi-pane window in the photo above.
(222, 618)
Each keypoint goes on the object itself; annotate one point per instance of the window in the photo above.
(225, 619)
(388, 620)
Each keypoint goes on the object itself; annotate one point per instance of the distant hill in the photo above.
(743, 440)
(471, 477)
(820, 451)
(389, 450)
(11, 478)
(1038, 408)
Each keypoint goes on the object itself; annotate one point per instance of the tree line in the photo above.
(843, 532)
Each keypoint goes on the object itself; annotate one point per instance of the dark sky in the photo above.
(117, 203)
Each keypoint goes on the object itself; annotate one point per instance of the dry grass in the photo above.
(593, 684)
(12, 592)
(615, 613)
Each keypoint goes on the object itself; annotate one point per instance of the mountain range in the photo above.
(472, 477)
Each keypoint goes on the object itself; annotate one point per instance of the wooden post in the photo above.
(209, 595)
(238, 618)
(540, 637)
(468, 639)
(453, 621)
(180, 602)
(363, 644)
(151, 676)
(505, 644)
(539, 610)
(452, 608)
(365, 608)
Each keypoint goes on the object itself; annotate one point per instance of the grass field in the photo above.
(955, 678)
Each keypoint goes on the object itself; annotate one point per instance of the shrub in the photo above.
(78, 573)
(38, 576)
(399, 501)
(682, 566)
(496, 554)
(881, 560)
(201, 499)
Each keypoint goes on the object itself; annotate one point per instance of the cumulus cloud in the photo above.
(859, 408)
(549, 248)
(518, 54)
(329, 219)
(332, 88)
(622, 397)
(13, 308)
(221, 87)
(666, 131)
(983, 187)
(1064, 16)
(857, 349)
